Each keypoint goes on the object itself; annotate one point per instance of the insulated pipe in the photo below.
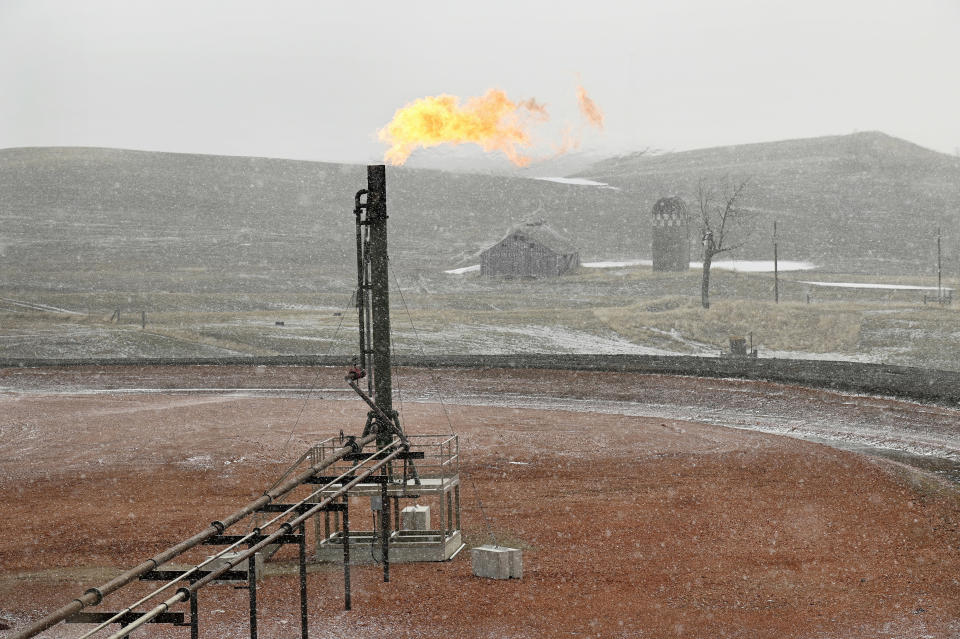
(256, 531)
(184, 593)
(94, 596)
(361, 278)
(383, 416)
(151, 595)
(386, 420)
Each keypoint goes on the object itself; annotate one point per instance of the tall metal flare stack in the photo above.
(427, 473)
(373, 303)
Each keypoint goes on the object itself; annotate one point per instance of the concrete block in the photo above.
(415, 518)
(497, 562)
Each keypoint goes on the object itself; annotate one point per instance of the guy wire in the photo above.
(303, 406)
(446, 413)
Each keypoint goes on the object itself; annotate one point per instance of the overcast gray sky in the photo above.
(316, 80)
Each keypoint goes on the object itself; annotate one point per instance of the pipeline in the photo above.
(387, 422)
(184, 593)
(93, 596)
(393, 424)
(256, 531)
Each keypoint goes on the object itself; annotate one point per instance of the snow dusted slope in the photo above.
(865, 202)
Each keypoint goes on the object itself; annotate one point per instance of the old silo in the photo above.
(671, 235)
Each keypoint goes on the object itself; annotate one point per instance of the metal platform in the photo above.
(405, 546)
(401, 490)
(434, 483)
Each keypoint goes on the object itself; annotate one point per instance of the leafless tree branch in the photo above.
(717, 221)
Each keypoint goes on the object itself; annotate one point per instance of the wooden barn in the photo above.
(530, 249)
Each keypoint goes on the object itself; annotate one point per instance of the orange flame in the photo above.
(589, 108)
(491, 121)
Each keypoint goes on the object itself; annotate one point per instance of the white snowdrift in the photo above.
(619, 264)
(758, 266)
(577, 182)
(889, 287)
(739, 266)
(464, 269)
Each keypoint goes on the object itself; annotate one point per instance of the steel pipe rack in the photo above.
(183, 594)
(93, 596)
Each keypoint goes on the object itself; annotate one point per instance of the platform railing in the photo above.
(441, 455)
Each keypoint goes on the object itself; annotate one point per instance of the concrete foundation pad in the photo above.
(497, 562)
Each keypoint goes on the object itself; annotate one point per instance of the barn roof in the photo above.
(540, 232)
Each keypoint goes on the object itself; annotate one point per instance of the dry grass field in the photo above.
(629, 310)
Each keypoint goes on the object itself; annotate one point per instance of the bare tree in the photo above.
(724, 225)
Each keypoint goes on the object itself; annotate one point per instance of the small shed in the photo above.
(530, 249)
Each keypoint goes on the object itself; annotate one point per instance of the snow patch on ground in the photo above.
(889, 287)
(34, 306)
(738, 266)
(578, 182)
(758, 266)
(617, 263)
(573, 341)
(284, 306)
(872, 357)
(465, 269)
(509, 340)
(489, 339)
(254, 391)
(854, 435)
(200, 462)
(695, 347)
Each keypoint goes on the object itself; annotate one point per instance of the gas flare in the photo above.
(589, 108)
(492, 121)
(570, 141)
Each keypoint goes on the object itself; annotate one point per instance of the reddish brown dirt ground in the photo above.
(630, 526)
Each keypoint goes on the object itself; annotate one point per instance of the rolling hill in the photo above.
(90, 219)
(865, 202)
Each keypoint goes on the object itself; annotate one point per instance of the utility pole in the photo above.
(776, 270)
(939, 270)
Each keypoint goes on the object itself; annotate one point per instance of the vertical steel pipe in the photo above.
(252, 586)
(456, 498)
(361, 278)
(385, 531)
(194, 612)
(346, 552)
(303, 581)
